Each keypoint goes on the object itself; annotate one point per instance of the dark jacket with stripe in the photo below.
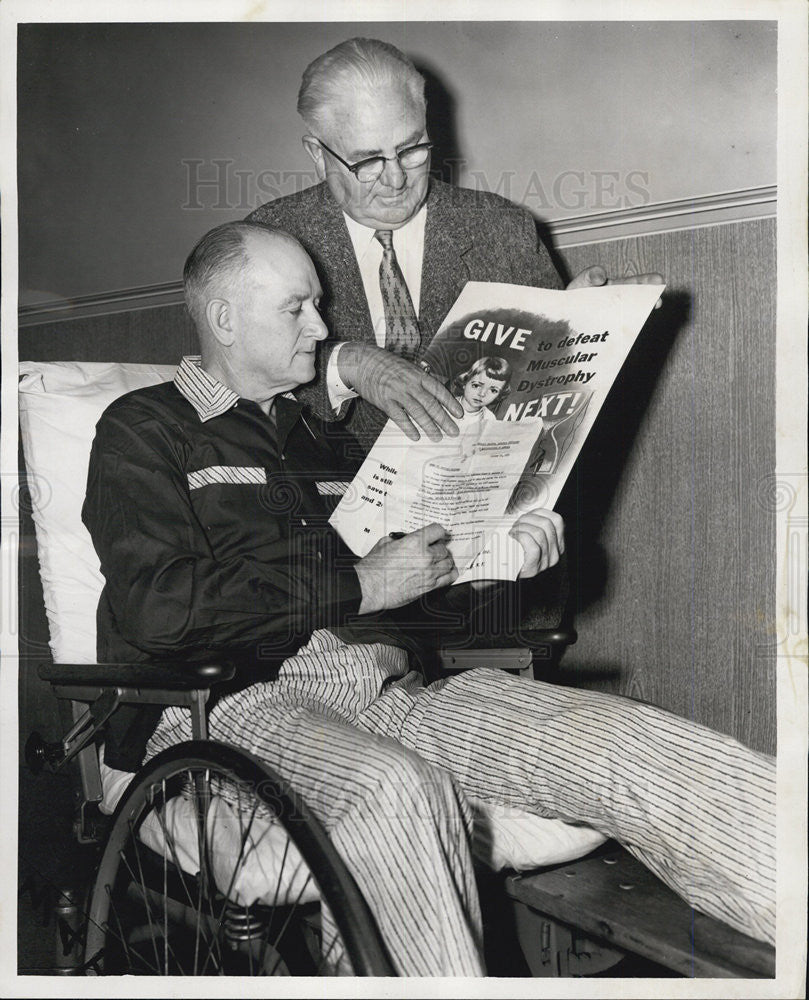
(214, 542)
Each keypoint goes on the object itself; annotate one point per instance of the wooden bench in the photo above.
(613, 899)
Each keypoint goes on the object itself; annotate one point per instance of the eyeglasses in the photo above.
(370, 169)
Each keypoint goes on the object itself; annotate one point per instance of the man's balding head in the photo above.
(359, 64)
(254, 294)
(219, 265)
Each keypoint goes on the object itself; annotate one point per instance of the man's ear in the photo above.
(315, 150)
(220, 321)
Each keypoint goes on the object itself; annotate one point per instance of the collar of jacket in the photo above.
(210, 398)
(447, 238)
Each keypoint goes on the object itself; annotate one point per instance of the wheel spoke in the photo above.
(140, 880)
(169, 841)
(244, 836)
(291, 913)
(207, 886)
(324, 955)
(143, 893)
(122, 936)
(241, 857)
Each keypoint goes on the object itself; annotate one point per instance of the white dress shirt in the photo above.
(408, 242)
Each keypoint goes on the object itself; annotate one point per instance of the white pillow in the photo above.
(60, 403)
(508, 837)
(252, 858)
(503, 838)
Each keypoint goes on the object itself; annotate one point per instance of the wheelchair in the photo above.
(212, 864)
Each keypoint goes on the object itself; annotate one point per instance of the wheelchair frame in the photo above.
(231, 933)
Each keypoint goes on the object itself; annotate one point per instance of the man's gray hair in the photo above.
(363, 62)
(220, 262)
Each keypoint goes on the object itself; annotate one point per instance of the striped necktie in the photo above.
(401, 325)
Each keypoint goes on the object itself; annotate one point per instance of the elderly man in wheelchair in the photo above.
(207, 505)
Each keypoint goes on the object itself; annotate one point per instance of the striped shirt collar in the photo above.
(205, 393)
(209, 397)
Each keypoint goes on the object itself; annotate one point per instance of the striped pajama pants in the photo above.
(385, 763)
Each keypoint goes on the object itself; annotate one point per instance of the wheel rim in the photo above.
(169, 900)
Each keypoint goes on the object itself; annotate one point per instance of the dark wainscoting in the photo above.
(156, 336)
(672, 505)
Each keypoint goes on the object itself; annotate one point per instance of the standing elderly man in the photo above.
(392, 246)
(189, 508)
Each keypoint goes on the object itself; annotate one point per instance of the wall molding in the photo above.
(169, 293)
(598, 227)
(666, 216)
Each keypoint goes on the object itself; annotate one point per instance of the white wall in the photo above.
(111, 115)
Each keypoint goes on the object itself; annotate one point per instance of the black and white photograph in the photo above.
(242, 738)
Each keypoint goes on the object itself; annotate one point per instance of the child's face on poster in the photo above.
(480, 391)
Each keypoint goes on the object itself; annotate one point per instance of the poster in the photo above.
(531, 368)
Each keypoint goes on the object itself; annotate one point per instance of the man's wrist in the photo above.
(339, 390)
(369, 590)
(347, 363)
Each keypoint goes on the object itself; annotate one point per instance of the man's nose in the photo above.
(394, 175)
(317, 328)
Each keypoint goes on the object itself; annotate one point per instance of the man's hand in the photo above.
(398, 570)
(408, 395)
(596, 275)
(542, 535)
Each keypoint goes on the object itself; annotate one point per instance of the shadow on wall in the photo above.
(441, 127)
(588, 496)
(448, 156)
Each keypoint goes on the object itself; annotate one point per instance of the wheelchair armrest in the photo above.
(532, 638)
(103, 687)
(174, 677)
(523, 651)
(544, 636)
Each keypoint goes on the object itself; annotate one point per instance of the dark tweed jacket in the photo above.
(469, 236)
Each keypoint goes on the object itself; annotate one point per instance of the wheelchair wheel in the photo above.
(213, 866)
